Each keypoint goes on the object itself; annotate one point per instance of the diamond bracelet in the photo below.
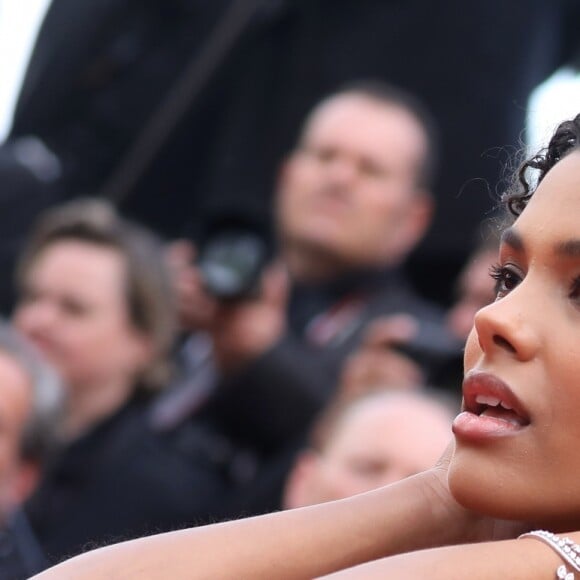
(568, 550)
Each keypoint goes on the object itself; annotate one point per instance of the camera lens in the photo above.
(231, 263)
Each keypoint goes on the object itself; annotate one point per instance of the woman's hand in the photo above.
(462, 525)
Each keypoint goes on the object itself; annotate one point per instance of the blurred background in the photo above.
(186, 399)
(88, 81)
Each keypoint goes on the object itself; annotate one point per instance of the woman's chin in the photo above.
(505, 501)
(478, 494)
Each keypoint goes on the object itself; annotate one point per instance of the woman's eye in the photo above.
(506, 279)
(74, 308)
(575, 290)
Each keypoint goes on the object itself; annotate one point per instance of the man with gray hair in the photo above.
(31, 399)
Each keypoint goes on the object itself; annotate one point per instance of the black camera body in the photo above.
(232, 261)
(433, 345)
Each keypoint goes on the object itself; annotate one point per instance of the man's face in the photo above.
(349, 192)
(377, 442)
(15, 406)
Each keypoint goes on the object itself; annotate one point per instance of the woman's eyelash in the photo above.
(496, 271)
(505, 278)
(575, 290)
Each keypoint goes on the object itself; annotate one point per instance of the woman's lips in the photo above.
(491, 409)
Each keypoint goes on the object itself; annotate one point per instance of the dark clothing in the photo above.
(114, 483)
(20, 554)
(262, 415)
(279, 394)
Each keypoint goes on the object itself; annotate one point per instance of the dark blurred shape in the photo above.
(231, 263)
(101, 68)
(432, 345)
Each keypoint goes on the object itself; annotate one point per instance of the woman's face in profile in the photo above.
(519, 436)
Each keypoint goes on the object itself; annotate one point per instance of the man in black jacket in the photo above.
(353, 200)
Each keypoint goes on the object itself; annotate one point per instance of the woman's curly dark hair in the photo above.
(565, 139)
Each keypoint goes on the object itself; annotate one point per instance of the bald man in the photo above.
(375, 440)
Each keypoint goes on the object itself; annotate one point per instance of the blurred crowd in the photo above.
(228, 297)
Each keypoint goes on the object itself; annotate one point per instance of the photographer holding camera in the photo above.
(352, 202)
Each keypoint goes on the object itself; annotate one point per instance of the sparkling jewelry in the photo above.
(568, 550)
(563, 574)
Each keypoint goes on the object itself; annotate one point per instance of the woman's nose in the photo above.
(507, 326)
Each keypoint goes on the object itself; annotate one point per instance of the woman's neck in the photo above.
(88, 405)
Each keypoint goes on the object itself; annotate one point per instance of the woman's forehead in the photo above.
(556, 202)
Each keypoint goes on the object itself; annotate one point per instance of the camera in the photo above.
(232, 259)
(432, 344)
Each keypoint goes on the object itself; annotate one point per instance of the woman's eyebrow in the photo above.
(511, 237)
(569, 248)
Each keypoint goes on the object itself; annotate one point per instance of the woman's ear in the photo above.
(140, 353)
(145, 349)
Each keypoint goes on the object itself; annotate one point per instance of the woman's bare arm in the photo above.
(413, 514)
(526, 559)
